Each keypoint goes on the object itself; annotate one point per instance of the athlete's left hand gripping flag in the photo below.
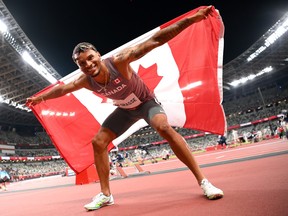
(185, 74)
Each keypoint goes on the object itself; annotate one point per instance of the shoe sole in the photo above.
(92, 209)
(215, 196)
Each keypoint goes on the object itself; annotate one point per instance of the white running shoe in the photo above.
(99, 201)
(210, 191)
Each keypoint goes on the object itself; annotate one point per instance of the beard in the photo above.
(95, 74)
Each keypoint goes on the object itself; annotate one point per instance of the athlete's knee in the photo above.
(99, 143)
(102, 139)
(163, 128)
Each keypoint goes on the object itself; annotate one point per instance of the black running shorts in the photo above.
(121, 120)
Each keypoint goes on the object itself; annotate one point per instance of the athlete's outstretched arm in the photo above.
(56, 92)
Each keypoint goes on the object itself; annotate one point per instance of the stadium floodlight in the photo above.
(14, 104)
(3, 27)
(275, 35)
(243, 80)
(25, 55)
(39, 68)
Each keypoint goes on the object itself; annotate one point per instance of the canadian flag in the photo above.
(185, 74)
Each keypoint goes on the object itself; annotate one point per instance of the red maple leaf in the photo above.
(149, 76)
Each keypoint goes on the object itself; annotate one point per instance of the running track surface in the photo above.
(254, 178)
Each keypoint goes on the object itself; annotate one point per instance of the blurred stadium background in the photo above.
(255, 90)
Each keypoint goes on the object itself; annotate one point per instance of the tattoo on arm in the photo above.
(134, 53)
(170, 32)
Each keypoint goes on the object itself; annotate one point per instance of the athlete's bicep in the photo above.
(73, 85)
(134, 53)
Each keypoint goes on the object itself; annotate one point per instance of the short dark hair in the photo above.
(82, 47)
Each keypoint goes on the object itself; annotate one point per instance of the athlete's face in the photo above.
(89, 62)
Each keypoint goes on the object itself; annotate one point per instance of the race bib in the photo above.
(129, 102)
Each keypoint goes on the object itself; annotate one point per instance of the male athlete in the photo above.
(114, 78)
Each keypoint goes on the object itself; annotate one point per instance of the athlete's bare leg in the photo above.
(177, 144)
(100, 142)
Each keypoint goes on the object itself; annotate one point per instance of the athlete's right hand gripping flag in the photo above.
(185, 74)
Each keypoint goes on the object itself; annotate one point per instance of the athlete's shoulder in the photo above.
(82, 81)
